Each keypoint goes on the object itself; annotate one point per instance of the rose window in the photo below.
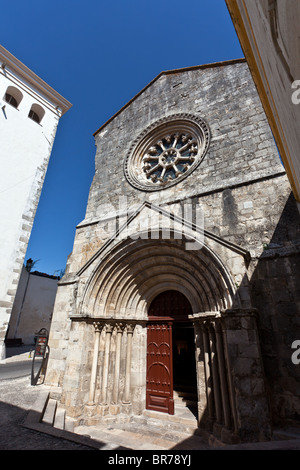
(167, 152)
(169, 158)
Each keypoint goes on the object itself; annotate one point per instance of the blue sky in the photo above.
(99, 54)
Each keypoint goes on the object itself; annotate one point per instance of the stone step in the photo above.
(69, 424)
(53, 414)
(37, 411)
(59, 420)
(286, 433)
(185, 398)
(185, 402)
(50, 411)
(183, 421)
(138, 436)
(186, 394)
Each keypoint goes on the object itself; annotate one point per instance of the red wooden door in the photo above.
(167, 307)
(159, 384)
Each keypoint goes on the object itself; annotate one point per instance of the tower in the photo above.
(29, 116)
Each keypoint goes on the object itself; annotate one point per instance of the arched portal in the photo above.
(171, 361)
(129, 277)
(125, 291)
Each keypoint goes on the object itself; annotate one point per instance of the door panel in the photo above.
(159, 384)
(167, 307)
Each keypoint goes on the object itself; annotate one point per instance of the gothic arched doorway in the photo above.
(170, 351)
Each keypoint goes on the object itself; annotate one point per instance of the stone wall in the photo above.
(241, 189)
(276, 295)
(241, 149)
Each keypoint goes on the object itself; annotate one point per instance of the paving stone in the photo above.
(18, 398)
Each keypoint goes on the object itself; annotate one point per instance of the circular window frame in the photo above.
(183, 123)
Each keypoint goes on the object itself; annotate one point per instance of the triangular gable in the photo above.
(170, 72)
(172, 222)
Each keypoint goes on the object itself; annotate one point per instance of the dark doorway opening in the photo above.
(184, 362)
(171, 362)
(184, 365)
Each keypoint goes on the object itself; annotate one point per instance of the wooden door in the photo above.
(159, 383)
(167, 307)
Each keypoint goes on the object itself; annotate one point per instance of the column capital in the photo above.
(98, 326)
(211, 325)
(207, 324)
(109, 327)
(130, 327)
(120, 327)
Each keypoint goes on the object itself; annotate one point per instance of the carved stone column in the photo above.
(109, 329)
(98, 328)
(223, 378)
(201, 386)
(215, 373)
(127, 397)
(209, 391)
(120, 328)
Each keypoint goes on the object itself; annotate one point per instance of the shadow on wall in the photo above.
(275, 288)
(245, 354)
(251, 347)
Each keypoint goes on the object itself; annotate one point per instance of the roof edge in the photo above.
(170, 72)
(32, 79)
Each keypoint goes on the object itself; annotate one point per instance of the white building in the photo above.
(29, 114)
(268, 32)
(33, 307)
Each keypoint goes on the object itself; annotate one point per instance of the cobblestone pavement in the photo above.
(17, 396)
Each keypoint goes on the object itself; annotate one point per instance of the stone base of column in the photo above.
(228, 437)
(114, 409)
(103, 410)
(127, 408)
(223, 436)
(90, 409)
(217, 429)
(206, 423)
(91, 421)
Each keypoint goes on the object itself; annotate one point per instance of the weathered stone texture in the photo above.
(275, 287)
(247, 373)
(241, 149)
(248, 260)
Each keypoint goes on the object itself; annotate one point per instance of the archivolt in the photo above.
(127, 279)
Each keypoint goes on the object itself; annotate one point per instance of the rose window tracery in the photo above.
(167, 152)
(169, 157)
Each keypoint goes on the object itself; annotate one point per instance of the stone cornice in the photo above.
(17, 68)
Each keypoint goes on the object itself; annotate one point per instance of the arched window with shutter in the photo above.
(13, 96)
(36, 113)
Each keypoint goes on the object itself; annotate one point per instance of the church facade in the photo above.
(183, 274)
